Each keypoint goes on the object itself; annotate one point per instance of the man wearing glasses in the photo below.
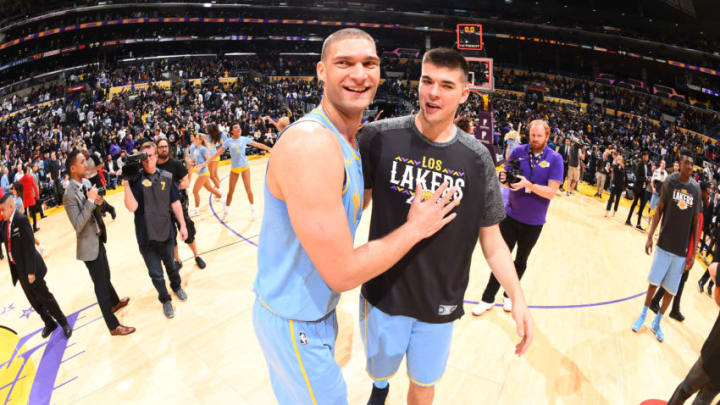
(152, 197)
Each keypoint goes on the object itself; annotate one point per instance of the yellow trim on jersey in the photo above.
(207, 173)
(322, 113)
(302, 368)
(416, 382)
(239, 170)
(216, 159)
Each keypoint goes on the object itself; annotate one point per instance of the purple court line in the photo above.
(225, 224)
(86, 324)
(72, 357)
(594, 304)
(68, 381)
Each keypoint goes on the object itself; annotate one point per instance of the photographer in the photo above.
(534, 180)
(151, 194)
(94, 166)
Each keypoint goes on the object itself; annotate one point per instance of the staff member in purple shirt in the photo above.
(542, 175)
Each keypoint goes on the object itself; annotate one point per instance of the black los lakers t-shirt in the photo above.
(429, 282)
(682, 203)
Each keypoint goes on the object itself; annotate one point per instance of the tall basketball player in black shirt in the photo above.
(409, 310)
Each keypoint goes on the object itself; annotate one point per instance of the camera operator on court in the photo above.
(534, 173)
(153, 197)
(94, 167)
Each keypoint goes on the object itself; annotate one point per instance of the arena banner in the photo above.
(163, 84)
(195, 20)
(484, 132)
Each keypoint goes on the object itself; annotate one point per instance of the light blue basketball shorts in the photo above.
(389, 338)
(666, 270)
(300, 357)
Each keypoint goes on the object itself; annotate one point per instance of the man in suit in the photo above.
(28, 267)
(642, 177)
(82, 205)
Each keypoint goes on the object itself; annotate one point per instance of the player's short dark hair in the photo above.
(685, 152)
(72, 158)
(447, 58)
(344, 33)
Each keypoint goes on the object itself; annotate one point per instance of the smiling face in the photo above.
(350, 72)
(441, 91)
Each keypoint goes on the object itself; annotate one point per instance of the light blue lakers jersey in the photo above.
(287, 282)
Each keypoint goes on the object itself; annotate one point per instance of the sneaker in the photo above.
(193, 212)
(676, 315)
(42, 250)
(507, 304)
(640, 228)
(377, 397)
(639, 323)
(168, 310)
(225, 213)
(200, 262)
(701, 285)
(253, 214)
(181, 294)
(482, 307)
(655, 328)
(628, 223)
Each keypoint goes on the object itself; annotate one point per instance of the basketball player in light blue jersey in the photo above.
(313, 202)
(200, 156)
(239, 165)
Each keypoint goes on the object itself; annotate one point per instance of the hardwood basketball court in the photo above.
(584, 278)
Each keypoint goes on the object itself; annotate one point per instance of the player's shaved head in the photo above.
(344, 33)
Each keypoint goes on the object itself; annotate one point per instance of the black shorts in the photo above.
(189, 224)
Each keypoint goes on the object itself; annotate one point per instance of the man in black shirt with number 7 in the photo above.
(409, 310)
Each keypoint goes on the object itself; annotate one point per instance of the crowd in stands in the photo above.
(110, 126)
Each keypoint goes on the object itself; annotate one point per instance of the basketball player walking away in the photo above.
(675, 311)
(678, 207)
(704, 376)
(313, 204)
(201, 155)
(409, 310)
(239, 166)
